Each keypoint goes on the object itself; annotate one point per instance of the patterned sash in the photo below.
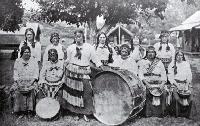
(152, 66)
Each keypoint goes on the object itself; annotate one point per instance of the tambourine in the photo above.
(47, 108)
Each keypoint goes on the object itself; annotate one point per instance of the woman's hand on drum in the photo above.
(102, 67)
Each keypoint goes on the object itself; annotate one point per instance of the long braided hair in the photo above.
(106, 42)
(33, 41)
(110, 59)
(163, 33)
(167, 48)
(175, 66)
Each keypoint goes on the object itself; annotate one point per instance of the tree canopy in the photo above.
(11, 13)
(114, 11)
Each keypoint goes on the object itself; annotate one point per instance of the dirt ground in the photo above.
(7, 119)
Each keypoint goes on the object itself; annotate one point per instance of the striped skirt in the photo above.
(77, 90)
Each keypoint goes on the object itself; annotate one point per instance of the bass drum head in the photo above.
(112, 98)
(47, 108)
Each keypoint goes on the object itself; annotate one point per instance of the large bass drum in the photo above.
(118, 95)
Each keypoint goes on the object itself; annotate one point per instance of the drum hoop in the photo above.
(117, 73)
(184, 94)
(121, 75)
(47, 117)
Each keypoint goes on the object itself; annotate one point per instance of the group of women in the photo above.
(65, 75)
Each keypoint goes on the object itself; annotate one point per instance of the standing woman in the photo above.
(103, 51)
(26, 72)
(55, 44)
(77, 90)
(180, 76)
(138, 52)
(166, 53)
(165, 50)
(34, 45)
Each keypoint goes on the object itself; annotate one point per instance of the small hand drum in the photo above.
(184, 93)
(156, 92)
(25, 89)
(47, 108)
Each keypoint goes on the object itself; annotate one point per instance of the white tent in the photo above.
(192, 22)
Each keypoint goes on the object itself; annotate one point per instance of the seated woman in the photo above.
(52, 76)
(152, 73)
(26, 72)
(125, 61)
(180, 76)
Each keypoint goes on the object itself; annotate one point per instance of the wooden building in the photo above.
(11, 40)
(188, 33)
(119, 34)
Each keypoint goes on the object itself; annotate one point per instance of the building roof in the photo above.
(195, 18)
(189, 23)
(35, 26)
(121, 27)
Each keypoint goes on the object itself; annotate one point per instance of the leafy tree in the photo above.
(86, 11)
(11, 13)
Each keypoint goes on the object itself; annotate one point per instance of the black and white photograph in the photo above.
(99, 62)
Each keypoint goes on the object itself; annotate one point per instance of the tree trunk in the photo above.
(92, 31)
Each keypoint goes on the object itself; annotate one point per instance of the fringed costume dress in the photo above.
(77, 90)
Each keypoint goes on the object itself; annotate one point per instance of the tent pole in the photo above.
(119, 35)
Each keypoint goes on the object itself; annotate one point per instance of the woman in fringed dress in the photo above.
(77, 90)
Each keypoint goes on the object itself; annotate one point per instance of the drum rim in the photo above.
(184, 94)
(36, 110)
(131, 93)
